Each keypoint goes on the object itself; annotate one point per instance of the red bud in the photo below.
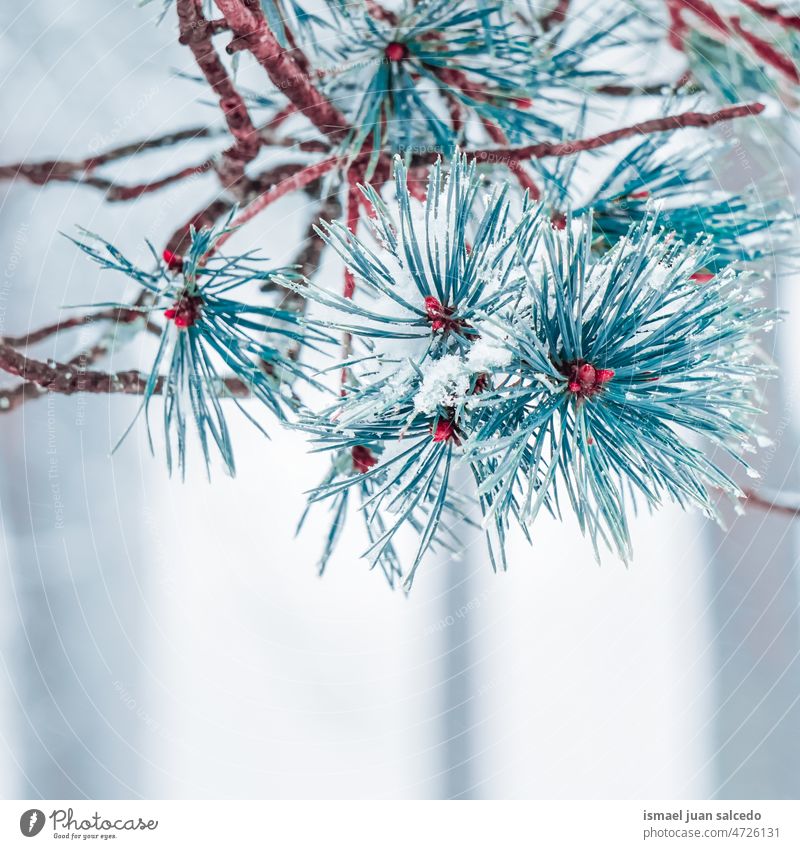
(445, 430)
(174, 261)
(363, 458)
(396, 51)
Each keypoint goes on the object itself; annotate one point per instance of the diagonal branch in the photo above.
(773, 14)
(299, 179)
(194, 31)
(120, 315)
(512, 155)
(252, 33)
(79, 171)
(116, 193)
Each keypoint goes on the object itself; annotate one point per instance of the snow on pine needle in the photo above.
(425, 281)
(619, 363)
(430, 269)
(206, 328)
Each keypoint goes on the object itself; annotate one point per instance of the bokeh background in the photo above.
(160, 639)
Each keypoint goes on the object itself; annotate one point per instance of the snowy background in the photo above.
(167, 640)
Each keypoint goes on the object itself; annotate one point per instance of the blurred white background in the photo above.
(161, 639)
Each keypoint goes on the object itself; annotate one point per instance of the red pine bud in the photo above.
(174, 261)
(435, 312)
(363, 458)
(584, 380)
(396, 51)
(445, 430)
(586, 375)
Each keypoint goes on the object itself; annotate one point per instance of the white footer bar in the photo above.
(404, 825)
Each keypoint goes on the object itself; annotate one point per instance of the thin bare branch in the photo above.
(119, 315)
(510, 155)
(246, 139)
(785, 503)
(70, 379)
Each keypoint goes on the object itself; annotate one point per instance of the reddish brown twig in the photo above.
(203, 30)
(79, 171)
(767, 52)
(380, 13)
(116, 193)
(280, 116)
(704, 11)
(511, 155)
(125, 151)
(770, 13)
(69, 379)
(639, 91)
(300, 178)
(246, 139)
(120, 315)
(725, 28)
(252, 33)
(556, 16)
(40, 173)
(785, 504)
(82, 171)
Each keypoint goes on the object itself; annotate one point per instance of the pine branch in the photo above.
(252, 33)
(511, 155)
(770, 13)
(119, 315)
(558, 389)
(725, 28)
(80, 171)
(787, 504)
(300, 178)
(193, 28)
(67, 379)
